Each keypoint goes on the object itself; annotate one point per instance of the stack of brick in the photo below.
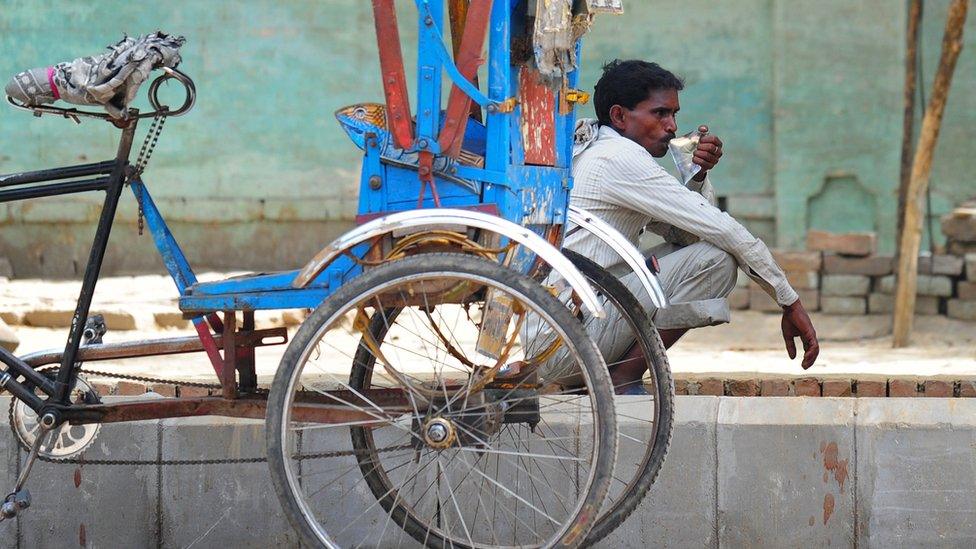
(963, 305)
(849, 262)
(936, 274)
(843, 274)
(832, 276)
(959, 228)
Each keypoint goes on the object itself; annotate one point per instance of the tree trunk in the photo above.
(908, 121)
(921, 169)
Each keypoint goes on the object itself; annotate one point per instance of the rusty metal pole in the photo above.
(229, 380)
(247, 376)
(394, 78)
(910, 236)
(468, 59)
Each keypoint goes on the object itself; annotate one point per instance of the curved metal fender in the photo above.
(420, 219)
(619, 243)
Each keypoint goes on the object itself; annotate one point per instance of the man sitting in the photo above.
(617, 178)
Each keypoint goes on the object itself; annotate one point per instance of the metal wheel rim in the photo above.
(290, 472)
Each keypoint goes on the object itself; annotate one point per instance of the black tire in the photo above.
(618, 506)
(281, 442)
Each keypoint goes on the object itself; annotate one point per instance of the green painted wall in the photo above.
(806, 96)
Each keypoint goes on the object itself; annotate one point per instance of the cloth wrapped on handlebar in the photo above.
(110, 79)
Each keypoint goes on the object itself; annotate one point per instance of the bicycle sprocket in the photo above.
(66, 440)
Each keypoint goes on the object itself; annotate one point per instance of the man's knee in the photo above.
(699, 271)
(724, 270)
(729, 267)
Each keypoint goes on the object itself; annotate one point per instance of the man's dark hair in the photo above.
(627, 83)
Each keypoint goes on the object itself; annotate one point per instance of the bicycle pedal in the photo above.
(14, 503)
(95, 328)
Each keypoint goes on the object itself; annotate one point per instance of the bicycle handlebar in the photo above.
(188, 86)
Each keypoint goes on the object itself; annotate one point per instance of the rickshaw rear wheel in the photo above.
(453, 454)
(646, 421)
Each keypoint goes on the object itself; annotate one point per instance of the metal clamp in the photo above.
(505, 106)
(579, 97)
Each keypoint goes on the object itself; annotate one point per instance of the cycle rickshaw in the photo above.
(447, 389)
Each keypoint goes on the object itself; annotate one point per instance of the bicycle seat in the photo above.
(110, 80)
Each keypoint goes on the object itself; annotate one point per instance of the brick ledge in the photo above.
(827, 387)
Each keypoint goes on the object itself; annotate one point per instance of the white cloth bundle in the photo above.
(110, 80)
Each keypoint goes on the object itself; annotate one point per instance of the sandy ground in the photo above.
(853, 346)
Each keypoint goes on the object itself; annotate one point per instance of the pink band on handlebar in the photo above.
(50, 82)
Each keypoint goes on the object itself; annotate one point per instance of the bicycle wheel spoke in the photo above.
(438, 453)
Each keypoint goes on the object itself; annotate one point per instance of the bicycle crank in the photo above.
(20, 498)
(65, 440)
(14, 503)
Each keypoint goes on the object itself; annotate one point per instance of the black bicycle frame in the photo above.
(38, 184)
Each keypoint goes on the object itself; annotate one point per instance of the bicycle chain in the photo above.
(149, 144)
(225, 461)
(153, 379)
(83, 461)
(145, 153)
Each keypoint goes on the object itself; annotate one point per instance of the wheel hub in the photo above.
(439, 433)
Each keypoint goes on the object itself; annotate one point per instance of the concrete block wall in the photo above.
(150, 505)
(797, 472)
(904, 504)
(778, 472)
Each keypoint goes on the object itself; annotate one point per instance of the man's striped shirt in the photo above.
(619, 181)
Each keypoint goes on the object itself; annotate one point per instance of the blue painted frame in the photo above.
(534, 196)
